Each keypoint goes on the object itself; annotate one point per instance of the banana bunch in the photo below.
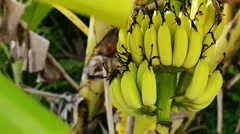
(164, 56)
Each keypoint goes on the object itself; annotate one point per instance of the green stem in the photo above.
(166, 84)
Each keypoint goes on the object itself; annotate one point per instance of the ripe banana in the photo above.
(140, 17)
(145, 23)
(217, 31)
(164, 45)
(140, 71)
(150, 45)
(184, 81)
(210, 15)
(149, 89)
(191, 106)
(157, 19)
(214, 84)
(171, 22)
(200, 13)
(122, 40)
(117, 99)
(209, 49)
(185, 22)
(135, 41)
(129, 88)
(115, 86)
(194, 48)
(180, 46)
(199, 80)
(169, 18)
(130, 21)
(198, 5)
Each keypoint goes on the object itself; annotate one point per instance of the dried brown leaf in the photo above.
(50, 73)
(13, 11)
(35, 52)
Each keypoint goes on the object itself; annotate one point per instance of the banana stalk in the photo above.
(166, 84)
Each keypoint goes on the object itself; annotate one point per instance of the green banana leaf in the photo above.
(35, 13)
(21, 114)
(115, 12)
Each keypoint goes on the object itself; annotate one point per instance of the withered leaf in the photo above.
(50, 73)
(13, 11)
(36, 49)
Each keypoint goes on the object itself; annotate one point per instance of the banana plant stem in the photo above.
(166, 84)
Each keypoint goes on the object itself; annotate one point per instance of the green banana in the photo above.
(194, 48)
(149, 89)
(164, 45)
(184, 81)
(213, 86)
(145, 23)
(199, 80)
(180, 46)
(157, 19)
(135, 43)
(129, 88)
(140, 71)
(150, 45)
(122, 40)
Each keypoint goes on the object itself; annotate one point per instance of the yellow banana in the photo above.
(116, 87)
(145, 23)
(210, 15)
(140, 71)
(119, 102)
(140, 17)
(217, 31)
(185, 22)
(180, 46)
(177, 107)
(130, 21)
(199, 80)
(129, 88)
(191, 106)
(184, 81)
(200, 13)
(194, 48)
(164, 45)
(209, 47)
(169, 18)
(198, 5)
(150, 45)
(157, 19)
(214, 84)
(135, 43)
(149, 89)
(171, 22)
(122, 40)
